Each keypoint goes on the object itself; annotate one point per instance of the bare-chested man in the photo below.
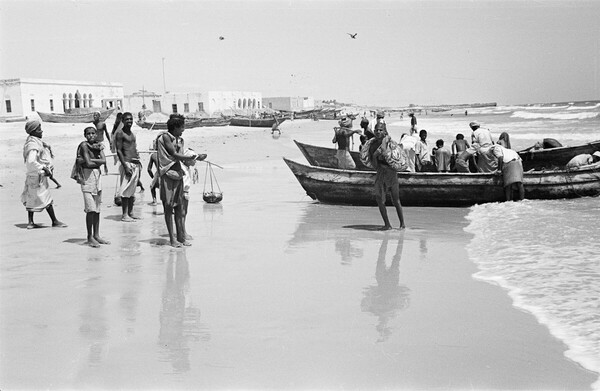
(101, 130)
(130, 168)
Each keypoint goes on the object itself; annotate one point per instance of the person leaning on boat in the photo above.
(511, 168)
(486, 162)
(341, 137)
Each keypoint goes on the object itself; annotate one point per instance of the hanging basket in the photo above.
(212, 195)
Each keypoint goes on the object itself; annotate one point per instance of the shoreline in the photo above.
(276, 291)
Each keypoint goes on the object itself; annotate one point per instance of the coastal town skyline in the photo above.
(404, 52)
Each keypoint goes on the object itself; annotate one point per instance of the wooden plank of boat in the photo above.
(534, 160)
(74, 118)
(352, 187)
(189, 123)
(549, 157)
(255, 122)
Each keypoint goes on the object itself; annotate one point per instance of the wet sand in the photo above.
(277, 292)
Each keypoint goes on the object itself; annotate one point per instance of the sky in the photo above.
(405, 52)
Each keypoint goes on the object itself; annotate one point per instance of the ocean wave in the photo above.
(554, 277)
(555, 116)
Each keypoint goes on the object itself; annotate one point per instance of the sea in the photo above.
(545, 254)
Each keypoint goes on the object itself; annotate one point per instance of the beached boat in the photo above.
(255, 122)
(553, 157)
(189, 123)
(532, 160)
(352, 187)
(74, 118)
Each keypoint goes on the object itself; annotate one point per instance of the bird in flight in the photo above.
(353, 36)
(221, 38)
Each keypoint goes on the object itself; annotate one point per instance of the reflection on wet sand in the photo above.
(388, 297)
(94, 325)
(347, 251)
(178, 324)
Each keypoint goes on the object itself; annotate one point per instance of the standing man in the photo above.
(130, 169)
(413, 122)
(101, 130)
(387, 178)
(342, 138)
(486, 161)
(170, 154)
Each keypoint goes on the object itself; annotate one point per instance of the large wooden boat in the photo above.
(189, 123)
(555, 157)
(532, 160)
(255, 122)
(74, 118)
(352, 187)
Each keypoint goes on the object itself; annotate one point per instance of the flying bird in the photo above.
(221, 38)
(353, 36)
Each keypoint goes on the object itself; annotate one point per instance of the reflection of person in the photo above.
(344, 247)
(386, 178)
(170, 154)
(511, 167)
(178, 323)
(583, 159)
(38, 162)
(387, 298)
(130, 169)
(90, 156)
(486, 162)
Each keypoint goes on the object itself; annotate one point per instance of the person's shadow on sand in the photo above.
(364, 227)
(388, 297)
(37, 226)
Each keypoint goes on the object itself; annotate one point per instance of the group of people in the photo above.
(172, 176)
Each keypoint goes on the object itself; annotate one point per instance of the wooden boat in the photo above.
(552, 157)
(74, 118)
(13, 119)
(352, 187)
(255, 122)
(189, 123)
(532, 160)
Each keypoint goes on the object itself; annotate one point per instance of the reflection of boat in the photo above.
(559, 156)
(354, 187)
(189, 123)
(534, 159)
(255, 122)
(74, 118)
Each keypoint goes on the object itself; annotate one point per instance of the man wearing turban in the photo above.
(38, 162)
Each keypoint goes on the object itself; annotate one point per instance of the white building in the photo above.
(210, 103)
(23, 97)
(290, 103)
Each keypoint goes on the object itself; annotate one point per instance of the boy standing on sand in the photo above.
(130, 169)
(90, 156)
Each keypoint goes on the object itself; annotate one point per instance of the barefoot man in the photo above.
(130, 169)
(170, 154)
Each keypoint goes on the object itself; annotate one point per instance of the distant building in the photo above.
(208, 103)
(289, 103)
(23, 97)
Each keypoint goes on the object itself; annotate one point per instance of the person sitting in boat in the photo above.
(342, 137)
(463, 159)
(409, 143)
(583, 160)
(367, 132)
(511, 168)
(441, 156)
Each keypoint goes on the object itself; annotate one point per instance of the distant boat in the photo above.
(13, 119)
(532, 160)
(255, 122)
(352, 187)
(189, 123)
(74, 118)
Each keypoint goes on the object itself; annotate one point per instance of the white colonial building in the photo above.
(290, 103)
(210, 103)
(23, 97)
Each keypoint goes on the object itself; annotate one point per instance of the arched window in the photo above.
(239, 105)
(85, 100)
(70, 100)
(254, 103)
(65, 102)
(245, 103)
(91, 101)
(77, 99)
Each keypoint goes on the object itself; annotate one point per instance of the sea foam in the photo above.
(545, 254)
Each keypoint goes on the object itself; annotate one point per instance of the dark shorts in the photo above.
(171, 191)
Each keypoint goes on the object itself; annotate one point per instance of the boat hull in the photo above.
(254, 122)
(534, 160)
(189, 123)
(352, 187)
(74, 118)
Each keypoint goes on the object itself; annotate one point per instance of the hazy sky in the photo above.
(406, 51)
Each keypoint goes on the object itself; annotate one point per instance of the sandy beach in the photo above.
(276, 292)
